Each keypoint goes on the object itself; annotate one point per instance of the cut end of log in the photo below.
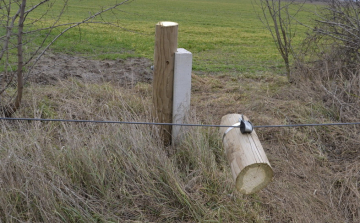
(254, 177)
(250, 167)
(166, 24)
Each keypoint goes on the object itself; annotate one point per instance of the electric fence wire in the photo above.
(172, 124)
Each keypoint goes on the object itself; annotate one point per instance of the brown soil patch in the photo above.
(54, 67)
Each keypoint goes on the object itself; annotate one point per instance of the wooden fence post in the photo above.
(164, 58)
(250, 167)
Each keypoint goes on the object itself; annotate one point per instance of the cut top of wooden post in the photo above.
(166, 23)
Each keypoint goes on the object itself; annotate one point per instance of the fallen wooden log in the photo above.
(250, 167)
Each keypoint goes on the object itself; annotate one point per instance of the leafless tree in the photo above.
(278, 17)
(24, 39)
(338, 25)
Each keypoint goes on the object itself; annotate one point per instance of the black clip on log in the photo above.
(245, 126)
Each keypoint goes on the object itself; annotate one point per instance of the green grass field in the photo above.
(225, 36)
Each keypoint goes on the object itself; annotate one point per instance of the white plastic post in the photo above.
(181, 92)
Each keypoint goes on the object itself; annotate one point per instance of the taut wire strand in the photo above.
(173, 124)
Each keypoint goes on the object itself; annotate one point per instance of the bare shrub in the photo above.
(279, 18)
(331, 56)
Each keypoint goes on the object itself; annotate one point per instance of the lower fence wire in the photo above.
(173, 124)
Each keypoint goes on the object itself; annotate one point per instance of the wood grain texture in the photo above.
(165, 47)
(250, 167)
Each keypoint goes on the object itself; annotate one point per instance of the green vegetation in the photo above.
(222, 35)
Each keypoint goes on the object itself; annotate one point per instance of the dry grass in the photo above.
(316, 168)
(67, 172)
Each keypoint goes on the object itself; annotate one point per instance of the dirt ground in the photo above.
(54, 67)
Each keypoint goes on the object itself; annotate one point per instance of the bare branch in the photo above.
(36, 6)
(8, 31)
(9, 110)
(75, 25)
(48, 34)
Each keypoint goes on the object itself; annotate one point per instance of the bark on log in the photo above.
(250, 167)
